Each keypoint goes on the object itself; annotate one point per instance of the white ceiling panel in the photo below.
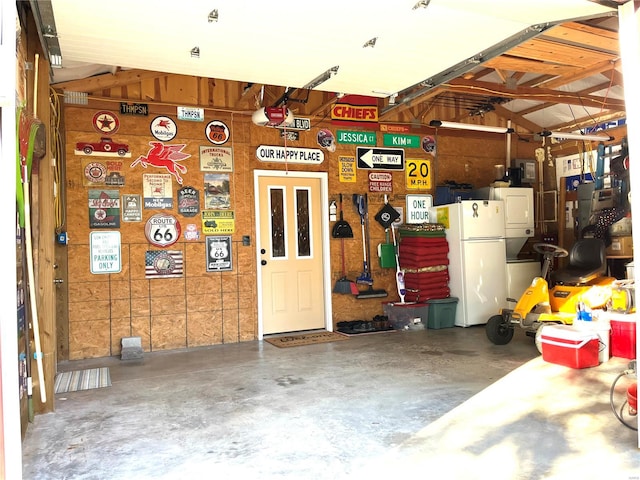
(289, 43)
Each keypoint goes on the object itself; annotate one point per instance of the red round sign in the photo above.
(106, 122)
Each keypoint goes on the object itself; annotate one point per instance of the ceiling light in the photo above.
(195, 52)
(576, 136)
(213, 16)
(421, 4)
(370, 43)
(470, 126)
(323, 77)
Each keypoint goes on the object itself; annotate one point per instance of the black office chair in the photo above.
(587, 261)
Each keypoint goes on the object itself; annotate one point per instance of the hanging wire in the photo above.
(56, 149)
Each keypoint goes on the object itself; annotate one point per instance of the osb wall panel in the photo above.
(197, 309)
(203, 308)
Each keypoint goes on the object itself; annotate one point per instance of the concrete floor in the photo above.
(408, 404)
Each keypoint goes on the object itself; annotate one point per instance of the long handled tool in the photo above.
(363, 209)
(341, 229)
(361, 206)
(27, 132)
(399, 273)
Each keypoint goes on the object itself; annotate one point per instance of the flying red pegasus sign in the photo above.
(165, 156)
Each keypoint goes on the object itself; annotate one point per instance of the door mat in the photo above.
(305, 339)
(82, 380)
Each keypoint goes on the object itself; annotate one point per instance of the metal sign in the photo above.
(131, 208)
(356, 137)
(188, 202)
(380, 182)
(105, 252)
(271, 153)
(104, 209)
(219, 254)
(380, 158)
(398, 140)
(162, 230)
(163, 128)
(141, 109)
(192, 114)
(218, 221)
(299, 123)
(418, 208)
(418, 174)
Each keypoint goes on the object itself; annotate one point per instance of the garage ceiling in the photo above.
(541, 63)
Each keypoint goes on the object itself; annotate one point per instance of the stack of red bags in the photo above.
(423, 256)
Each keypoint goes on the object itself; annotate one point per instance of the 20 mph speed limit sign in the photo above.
(162, 230)
(418, 174)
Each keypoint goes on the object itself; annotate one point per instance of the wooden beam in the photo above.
(517, 118)
(248, 94)
(585, 35)
(518, 64)
(600, 67)
(478, 75)
(559, 53)
(416, 101)
(539, 94)
(324, 106)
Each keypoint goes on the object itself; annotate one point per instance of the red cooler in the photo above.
(568, 346)
(623, 336)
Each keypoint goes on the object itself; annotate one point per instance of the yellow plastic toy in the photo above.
(581, 286)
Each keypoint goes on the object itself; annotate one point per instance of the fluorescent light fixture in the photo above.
(577, 136)
(323, 77)
(470, 126)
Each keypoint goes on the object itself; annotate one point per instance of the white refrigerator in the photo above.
(475, 231)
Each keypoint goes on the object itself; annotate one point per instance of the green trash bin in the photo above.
(441, 312)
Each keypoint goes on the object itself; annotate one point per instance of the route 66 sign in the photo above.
(162, 230)
(218, 254)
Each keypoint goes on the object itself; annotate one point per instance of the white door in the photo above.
(292, 264)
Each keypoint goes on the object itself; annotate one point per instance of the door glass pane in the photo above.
(278, 243)
(303, 222)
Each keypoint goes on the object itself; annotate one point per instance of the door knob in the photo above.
(263, 262)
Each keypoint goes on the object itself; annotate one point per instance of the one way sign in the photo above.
(380, 158)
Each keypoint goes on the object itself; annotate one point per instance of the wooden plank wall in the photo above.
(203, 308)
